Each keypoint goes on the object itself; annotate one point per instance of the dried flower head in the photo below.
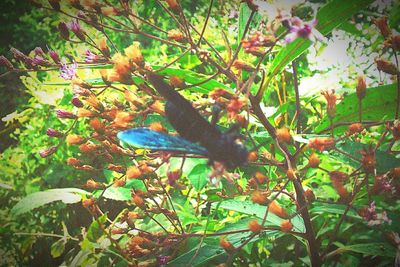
(331, 99)
(386, 66)
(322, 143)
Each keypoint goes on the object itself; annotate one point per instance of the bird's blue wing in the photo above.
(158, 141)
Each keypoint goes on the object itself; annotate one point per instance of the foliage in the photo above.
(322, 177)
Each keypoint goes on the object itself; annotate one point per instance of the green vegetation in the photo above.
(313, 87)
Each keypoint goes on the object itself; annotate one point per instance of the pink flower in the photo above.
(63, 114)
(372, 217)
(299, 28)
(40, 60)
(54, 133)
(91, 57)
(54, 56)
(77, 102)
(48, 151)
(68, 71)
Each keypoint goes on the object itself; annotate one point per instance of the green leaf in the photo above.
(211, 250)
(198, 176)
(194, 78)
(38, 199)
(329, 16)
(384, 161)
(57, 248)
(123, 193)
(250, 208)
(95, 231)
(379, 103)
(320, 208)
(244, 15)
(372, 249)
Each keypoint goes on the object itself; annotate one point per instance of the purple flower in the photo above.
(90, 57)
(54, 133)
(299, 28)
(41, 61)
(76, 28)
(162, 260)
(48, 151)
(18, 55)
(38, 51)
(63, 114)
(76, 102)
(54, 56)
(68, 72)
(80, 91)
(6, 63)
(63, 29)
(374, 218)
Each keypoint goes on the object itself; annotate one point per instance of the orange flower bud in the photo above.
(88, 4)
(259, 197)
(386, 66)
(283, 135)
(139, 201)
(74, 139)
(173, 5)
(95, 103)
(368, 160)
(252, 156)
(116, 168)
(396, 42)
(355, 128)
(217, 93)
(176, 82)
(286, 226)
(121, 71)
(322, 143)
(85, 113)
(92, 184)
(277, 209)
(225, 244)
(88, 147)
(313, 161)
(383, 26)
(109, 11)
(85, 168)
(291, 174)
(361, 87)
(97, 125)
(252, 182)
(157, 126)
(331, 99)
(119, 183)
(261, 178)
(309, 194)
(122, 119)
(133, 52)
(104, 47)
(74, 162)
(117, 231)
(242, 65)
(234, 106)
(157, 107)
(88, 202)
(176, 35)
(241, 120)
(133, 172)
(338, 179)
(254, 226)
(81, 83)
(132, 97)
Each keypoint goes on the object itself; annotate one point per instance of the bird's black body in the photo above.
(187, 121)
